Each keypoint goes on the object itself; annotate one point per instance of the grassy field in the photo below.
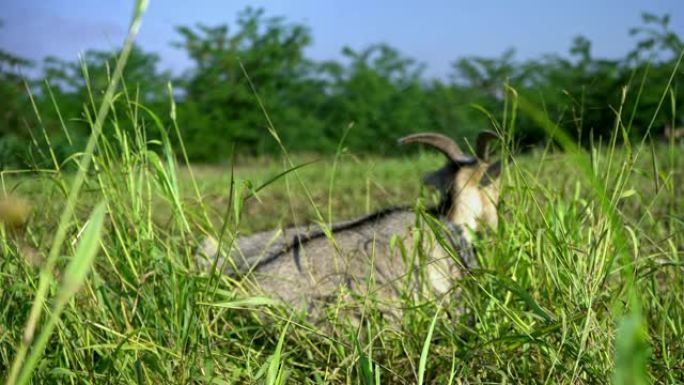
(581, 282)
(569, 290)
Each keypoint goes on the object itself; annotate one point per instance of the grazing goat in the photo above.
(382, 254)
(673, 134)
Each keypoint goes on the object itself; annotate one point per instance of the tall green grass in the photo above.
(581, 282)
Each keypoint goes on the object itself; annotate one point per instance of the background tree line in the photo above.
(377, 91)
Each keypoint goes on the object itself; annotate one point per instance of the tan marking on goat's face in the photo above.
(673, 133)
(473, 203)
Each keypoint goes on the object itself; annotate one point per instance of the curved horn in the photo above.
(482, 143)
(440, 142)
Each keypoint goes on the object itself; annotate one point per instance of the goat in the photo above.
(673, 134)
(309, 266)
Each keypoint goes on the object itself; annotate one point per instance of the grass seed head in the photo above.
(14, 211)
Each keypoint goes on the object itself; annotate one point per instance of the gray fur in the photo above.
(383, 255)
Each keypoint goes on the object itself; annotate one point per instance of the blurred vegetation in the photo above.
(581, 281)
(377, 91)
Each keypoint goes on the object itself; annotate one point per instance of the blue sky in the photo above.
(436, 32)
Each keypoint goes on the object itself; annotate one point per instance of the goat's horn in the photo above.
(482, 142)
(440, 142)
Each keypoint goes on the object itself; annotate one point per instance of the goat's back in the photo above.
(306, 267)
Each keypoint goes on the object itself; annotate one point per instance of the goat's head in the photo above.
(673, 133)
(469, 185)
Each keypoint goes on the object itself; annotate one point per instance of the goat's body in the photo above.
(673, 134)
(385, 255)
(314, 270)
(379, 255)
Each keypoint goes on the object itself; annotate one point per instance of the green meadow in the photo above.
(582, 281)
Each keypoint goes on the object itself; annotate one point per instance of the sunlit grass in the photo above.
(544, 307)
(581, 282)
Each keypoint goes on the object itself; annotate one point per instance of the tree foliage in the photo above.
(15, 107)
(219, 108)
(255, 74)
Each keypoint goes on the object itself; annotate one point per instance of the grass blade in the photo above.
(632, 350)
(426, 348)
(275, 367)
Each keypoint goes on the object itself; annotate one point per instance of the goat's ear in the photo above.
(491, 174)
(442, 178)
